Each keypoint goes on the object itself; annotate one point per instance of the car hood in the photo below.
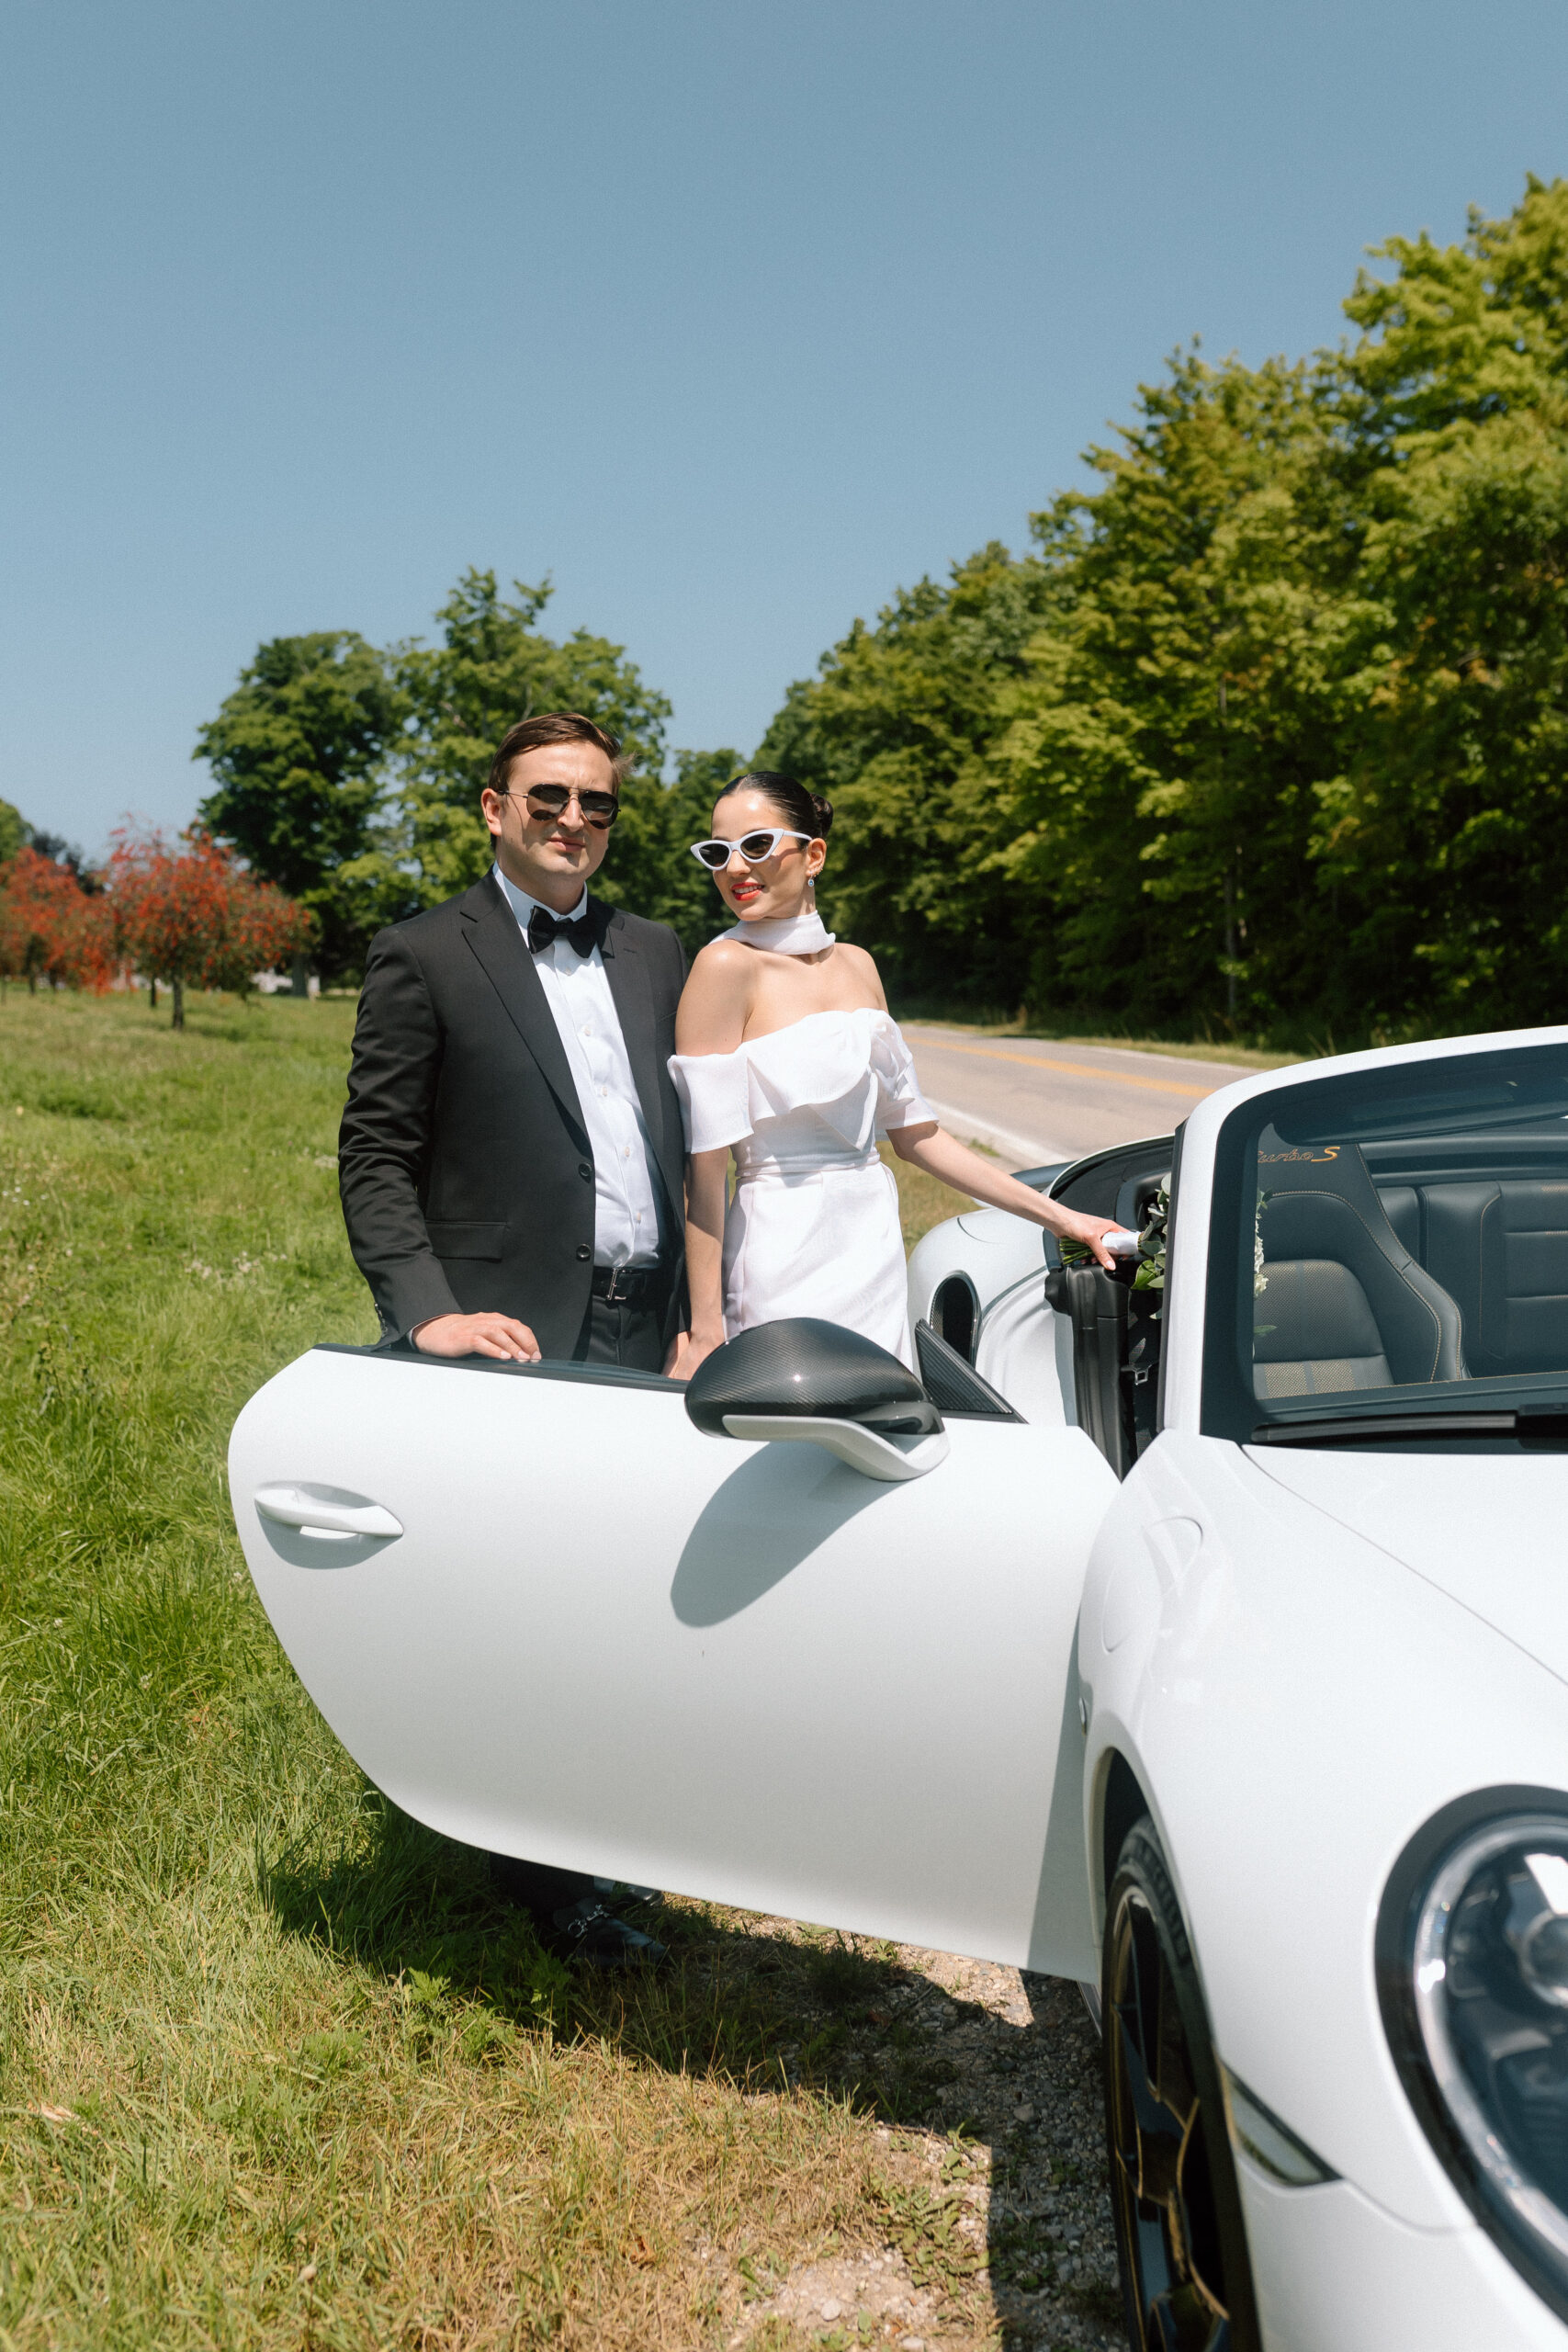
(1490, 1530)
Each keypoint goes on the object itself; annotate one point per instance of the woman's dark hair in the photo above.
(806, 811)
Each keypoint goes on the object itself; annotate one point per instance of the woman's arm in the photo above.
(925, 1146)
(709, 1019)
(707, 1175)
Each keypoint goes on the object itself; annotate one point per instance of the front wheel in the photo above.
(1186, 2281)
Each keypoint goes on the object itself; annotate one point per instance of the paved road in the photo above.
(1033, 1100)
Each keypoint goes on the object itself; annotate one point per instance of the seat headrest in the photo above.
(1319, 1168)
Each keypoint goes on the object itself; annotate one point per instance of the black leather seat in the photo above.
(1345, 1304)
(1502, 1250)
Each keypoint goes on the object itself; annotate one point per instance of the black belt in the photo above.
(627, 1286)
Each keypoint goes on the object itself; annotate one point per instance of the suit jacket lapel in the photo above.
(501, 949)
(627, 972)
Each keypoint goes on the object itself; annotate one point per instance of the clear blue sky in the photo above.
(730, 318)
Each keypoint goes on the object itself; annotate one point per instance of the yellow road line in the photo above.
(1073, 1069)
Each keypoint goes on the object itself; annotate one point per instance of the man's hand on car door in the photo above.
(477, 1335)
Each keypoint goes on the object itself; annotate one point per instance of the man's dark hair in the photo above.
(554, 726)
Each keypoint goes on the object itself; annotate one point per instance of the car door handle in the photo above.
(329, 1512)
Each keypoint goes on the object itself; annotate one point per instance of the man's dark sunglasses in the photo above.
(600, 808)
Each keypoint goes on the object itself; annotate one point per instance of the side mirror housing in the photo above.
(802, 1380)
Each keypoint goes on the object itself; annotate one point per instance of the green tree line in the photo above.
(1266, 732)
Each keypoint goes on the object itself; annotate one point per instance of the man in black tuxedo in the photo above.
(512, 1158)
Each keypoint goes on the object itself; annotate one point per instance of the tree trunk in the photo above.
(1230, 948)
(152, 992)
(179, 990)
(301, 979)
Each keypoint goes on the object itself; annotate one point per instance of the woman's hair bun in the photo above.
(806, 811)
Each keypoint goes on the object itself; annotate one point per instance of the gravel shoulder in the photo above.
(980, 2091)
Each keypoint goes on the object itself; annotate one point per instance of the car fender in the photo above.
(1294, 1704)
(990, 1247)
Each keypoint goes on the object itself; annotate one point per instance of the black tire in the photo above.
(1186, 2280)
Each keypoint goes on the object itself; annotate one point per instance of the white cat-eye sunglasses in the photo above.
(753, 847)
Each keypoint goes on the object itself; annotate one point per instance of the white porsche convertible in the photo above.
(1203, 1640)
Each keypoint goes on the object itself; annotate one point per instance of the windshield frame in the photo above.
(1229, 1407)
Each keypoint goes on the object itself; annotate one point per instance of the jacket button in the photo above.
(583, 1251)
(585, 1170)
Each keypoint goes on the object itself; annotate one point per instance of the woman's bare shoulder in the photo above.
(864, 967)
(723, 961)
(858, 958)
(711, 1016)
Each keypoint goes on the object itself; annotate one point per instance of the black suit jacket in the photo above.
(466, 1169)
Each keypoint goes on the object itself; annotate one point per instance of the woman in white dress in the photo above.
(788, 1057)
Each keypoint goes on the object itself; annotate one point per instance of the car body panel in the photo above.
(1488, 1531)
(1026, 1353)
(1294, 1705)
(1022, 1349)
(1333, 2273)
(606, 1641)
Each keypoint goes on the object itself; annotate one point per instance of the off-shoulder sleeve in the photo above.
(899, 1103)
(715, 1092)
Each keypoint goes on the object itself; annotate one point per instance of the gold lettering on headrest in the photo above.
(1302, 1158)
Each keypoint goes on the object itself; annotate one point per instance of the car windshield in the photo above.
(1389, 1251)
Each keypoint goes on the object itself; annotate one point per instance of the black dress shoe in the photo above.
(624, 1892)
(589, 1931)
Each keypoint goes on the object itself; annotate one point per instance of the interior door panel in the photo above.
(740, 1671)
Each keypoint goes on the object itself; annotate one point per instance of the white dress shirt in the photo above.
(577, 990)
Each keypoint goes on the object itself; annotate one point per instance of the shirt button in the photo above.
(583, 1251)
(605, 1093)
(640, 1216)
(585, 1170)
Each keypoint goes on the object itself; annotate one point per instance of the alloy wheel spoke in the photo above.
(1158, 2143)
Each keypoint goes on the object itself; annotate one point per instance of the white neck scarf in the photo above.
(801, 934)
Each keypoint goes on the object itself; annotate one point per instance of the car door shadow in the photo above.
(773, 1510)
(980, 2088)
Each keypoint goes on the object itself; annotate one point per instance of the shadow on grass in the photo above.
(793, 2011)
(749, 2005)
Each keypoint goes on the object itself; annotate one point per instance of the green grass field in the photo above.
(278, 2071)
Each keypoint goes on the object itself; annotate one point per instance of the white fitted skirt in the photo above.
(818, 1237)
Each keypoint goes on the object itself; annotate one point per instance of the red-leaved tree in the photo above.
(51, 929)
(193, 918)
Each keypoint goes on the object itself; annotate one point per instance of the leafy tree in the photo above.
(193, 918)
(1445, 829)
(51, 928)
(1183, 705)
(15, 832)
(895, 730)
(492, 667)
(299, 753)
(1271, 729)
(649, 868)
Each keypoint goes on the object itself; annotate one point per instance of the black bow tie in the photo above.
(543, 927)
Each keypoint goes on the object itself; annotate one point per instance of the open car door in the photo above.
(550, 1617)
